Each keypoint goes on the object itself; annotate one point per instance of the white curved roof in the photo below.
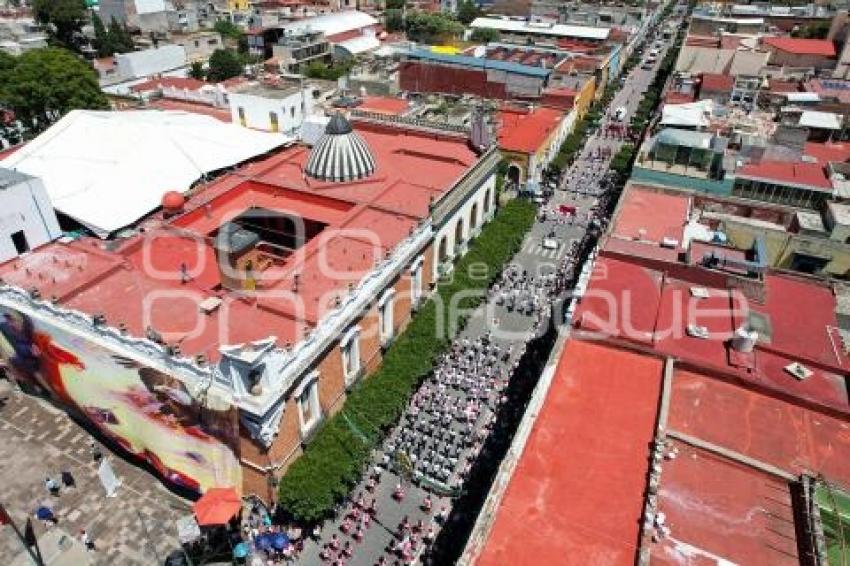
(333, 23)
(109, 169)
(360, 44)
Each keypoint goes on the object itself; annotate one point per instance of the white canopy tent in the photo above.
(109, 169)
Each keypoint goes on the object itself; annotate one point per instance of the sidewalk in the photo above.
(136, 527)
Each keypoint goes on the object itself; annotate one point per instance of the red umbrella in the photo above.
(217, 506)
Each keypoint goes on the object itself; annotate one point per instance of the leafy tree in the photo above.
(41, 85)
(394, 4)
(242, 45)
(431, 28)
(318, 70)
(485, 35)
(196, 71)
(101, 37)
(120, 40)
(334, 460)
(228, 29)
(393, 20)
(63, 18)
(112, 40)
(817, 30)
(224, 64)
(467, 11)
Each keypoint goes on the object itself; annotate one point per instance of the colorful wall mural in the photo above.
(148, 412)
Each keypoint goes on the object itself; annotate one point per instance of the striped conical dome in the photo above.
(340, 154)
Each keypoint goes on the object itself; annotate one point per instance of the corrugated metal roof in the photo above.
(824, 120)
(480, 63)
(360, 44)
(330, 24)
(539, 28)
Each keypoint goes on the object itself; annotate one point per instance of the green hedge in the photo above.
(334, 461)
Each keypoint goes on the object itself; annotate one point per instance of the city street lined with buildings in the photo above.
(424, 283)
(389, 518)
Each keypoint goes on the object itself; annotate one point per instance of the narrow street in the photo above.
(389, 517)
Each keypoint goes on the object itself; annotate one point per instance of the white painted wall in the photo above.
(257, 111)
(447, 230)
(24, 205)
(150, 61)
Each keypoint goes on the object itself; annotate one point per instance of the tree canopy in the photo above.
(196, 70)
(393, 20)
(228, 29)
(817, 30)
(467, 10)
(63, 18)
(425, 27)
(394, 4)
(318, 70)
(41, 85)
(224, 64)
(485, 35)
(110, 41)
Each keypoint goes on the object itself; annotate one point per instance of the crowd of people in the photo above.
(451, 419)
(449, 415)
(517, 290)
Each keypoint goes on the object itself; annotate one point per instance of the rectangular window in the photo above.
(19, 239)
(386, 312)
(306, 406)
(416, 285)
(307, 398)
(275, 126)
(242, 120)
(350, 348)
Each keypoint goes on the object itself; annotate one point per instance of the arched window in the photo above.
(458, 234)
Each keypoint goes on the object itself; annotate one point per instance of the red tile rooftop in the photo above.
(561, 91)
(674, 97)
(731, 41)
(654, 306)
(412, 168)
(652, 215)
(168, 82)
(384, 105)
(576, 495)
(222, 114)
(806, 175)
(526, 131)
(799, 46)
(720, 512)
(776, 85)
(702, 41)
(832, 88)
(826, 152)
(766, 428)
(714, 82)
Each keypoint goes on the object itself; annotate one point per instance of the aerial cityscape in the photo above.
(424, 282)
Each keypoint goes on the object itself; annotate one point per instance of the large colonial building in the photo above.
(213, 336)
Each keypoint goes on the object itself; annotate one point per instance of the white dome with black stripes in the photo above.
(340, 154)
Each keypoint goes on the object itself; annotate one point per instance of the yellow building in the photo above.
(238, 5)
(529, 140)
